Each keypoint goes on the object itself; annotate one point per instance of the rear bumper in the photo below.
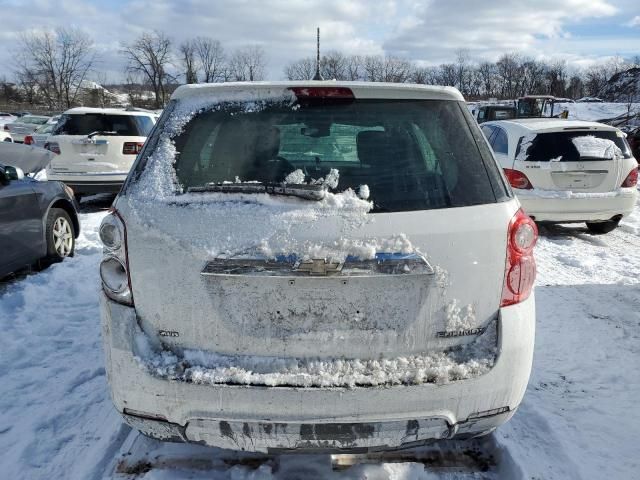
(86, 184)
(587, 209)
(336, 419)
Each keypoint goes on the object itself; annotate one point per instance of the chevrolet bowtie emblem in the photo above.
(318, 266)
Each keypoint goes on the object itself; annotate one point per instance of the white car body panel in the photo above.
(568, 191)
(263, 418)
(94, 163)
(19, 129)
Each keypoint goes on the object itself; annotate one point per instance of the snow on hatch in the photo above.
(209, 368)
(589, 146)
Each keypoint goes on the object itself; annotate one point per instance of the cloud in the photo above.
(634, 22)
(428, 31)
(440, 28)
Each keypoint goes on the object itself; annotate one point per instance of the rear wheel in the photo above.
(603, 227)
(60, 234)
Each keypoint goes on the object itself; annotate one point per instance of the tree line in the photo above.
(52, 68)
(511, 76)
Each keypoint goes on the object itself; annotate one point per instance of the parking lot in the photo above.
(579, 417)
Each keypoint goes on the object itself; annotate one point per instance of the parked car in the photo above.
(567, 171)
(5, 137)
(38, 221)
(40, 136)
(95, 147)
(24, 125)
(253, 300)
(6, 118)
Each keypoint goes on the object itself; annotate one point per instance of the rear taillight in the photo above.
(52, 147)
(517, 179)
(28, 140)
(631, 180)
(132, 148)
(114, 268)
(520, 270)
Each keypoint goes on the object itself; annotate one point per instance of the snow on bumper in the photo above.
(257, 418)
(564, 206)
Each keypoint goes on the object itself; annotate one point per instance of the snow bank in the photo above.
(209, 368)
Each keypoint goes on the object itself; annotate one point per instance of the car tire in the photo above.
(60, 235)
(599, 228)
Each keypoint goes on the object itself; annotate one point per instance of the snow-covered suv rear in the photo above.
(317, 265)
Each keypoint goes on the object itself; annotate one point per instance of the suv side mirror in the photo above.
(13, 173)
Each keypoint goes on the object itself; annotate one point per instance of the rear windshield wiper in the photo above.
(308, 192)
(101, 132)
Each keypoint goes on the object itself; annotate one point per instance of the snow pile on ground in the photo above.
(596, 111)
(210, 368)
(570, 255)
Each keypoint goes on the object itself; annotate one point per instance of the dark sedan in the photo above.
(38, 221)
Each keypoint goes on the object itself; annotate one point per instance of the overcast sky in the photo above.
(580, 31)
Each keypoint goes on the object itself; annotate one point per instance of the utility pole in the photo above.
(317, 75)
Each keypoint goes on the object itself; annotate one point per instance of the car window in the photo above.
(47, 128)
(503, 114)
(86, 123)
(559, 146)
(412, 154)
(487, 130)
(500, 141)
(481, 113)
(34, 120)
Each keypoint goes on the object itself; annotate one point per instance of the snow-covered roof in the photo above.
(116, 111)
(554, 124)
(359, 89)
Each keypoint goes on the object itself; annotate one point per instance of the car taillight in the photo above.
(517, 179)
(631, 180)
(520, 269)
(52, 147)
(28, 140)
(132, 148)
(114, 268)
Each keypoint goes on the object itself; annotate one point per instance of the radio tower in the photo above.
(317, 75)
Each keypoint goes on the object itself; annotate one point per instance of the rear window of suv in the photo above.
(412, 154)
(121, 125)
(560, 146)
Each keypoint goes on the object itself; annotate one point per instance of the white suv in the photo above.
(95, 147)
(317, 266)
(567, 171)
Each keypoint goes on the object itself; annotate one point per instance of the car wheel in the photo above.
(602, 227)
(61, 239)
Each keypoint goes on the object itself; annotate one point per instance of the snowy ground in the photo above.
(579, 420)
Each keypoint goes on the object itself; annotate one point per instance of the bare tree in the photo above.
(333, 66)
(188, 57)
(150, 55)
(302, 69)
(56, 63)
(212, 59)
(447, 74)
(462, 67)
(248, 64)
